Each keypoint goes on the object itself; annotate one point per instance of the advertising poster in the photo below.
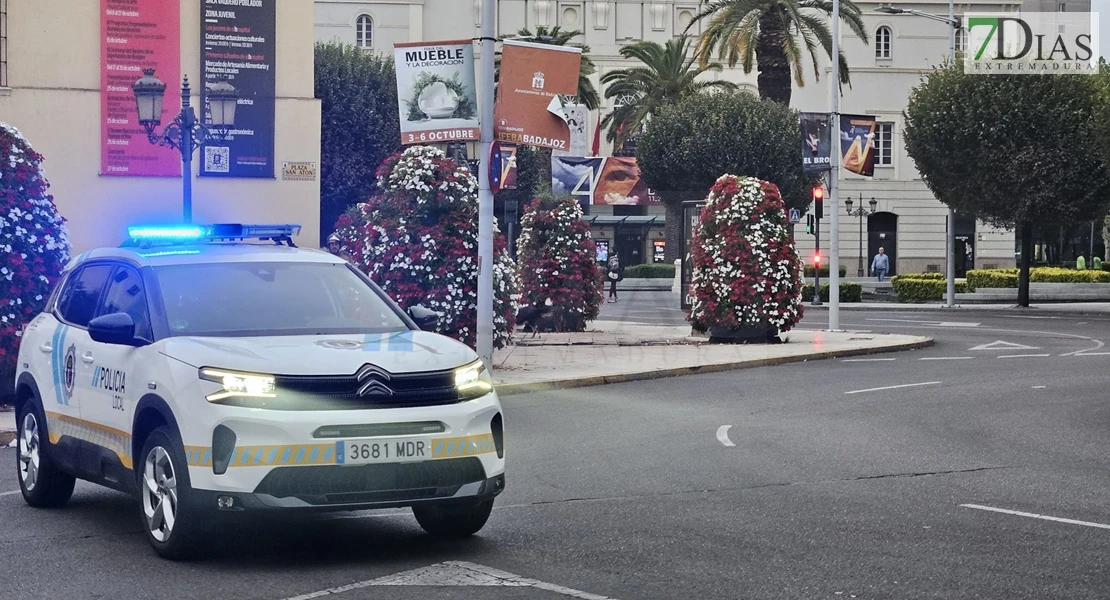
(436, 94)
(857, 144)
(816, 142)
(577, 117)
(601, 181)
(529, 109)
(137, 35)
(508, 167)
(237, 45)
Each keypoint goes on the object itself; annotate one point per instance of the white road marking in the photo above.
(455, 573)
(933, 323)
(9, 493)
(1000, 345)
(1036, 516)
(1077, 352)
(1038, 387)
(893, 387)
(1087, 354)
(1023, 355)
(868, 359)
(722, 435)
(946, 358)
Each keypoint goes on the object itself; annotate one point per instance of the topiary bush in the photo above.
(34, 245)
(746, 273)
(556, 262)
(650, 271)
(1008, 278)
(1096, 264)
(418, 240)
(849, 292)
(909, 288)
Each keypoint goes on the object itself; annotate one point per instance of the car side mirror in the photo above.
(116, 328)
(425, 318)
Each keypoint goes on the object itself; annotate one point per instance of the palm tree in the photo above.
(767, 33)
(587, 93)
(667, 74)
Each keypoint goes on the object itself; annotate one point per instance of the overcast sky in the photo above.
(1102, 7)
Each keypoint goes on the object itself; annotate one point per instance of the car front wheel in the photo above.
(167, 513)
(452, 521)
(42, 483)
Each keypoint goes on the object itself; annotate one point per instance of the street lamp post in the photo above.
(950, 229)
(185, 133)
(860, 212)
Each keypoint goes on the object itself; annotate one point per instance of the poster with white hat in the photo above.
(436, 93)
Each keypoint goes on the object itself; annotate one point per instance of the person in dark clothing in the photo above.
(614, 274)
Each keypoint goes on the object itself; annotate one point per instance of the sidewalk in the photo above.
(7, 427)
(613, 352)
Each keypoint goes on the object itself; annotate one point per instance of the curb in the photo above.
(6, 438)
(965, 308)
(508, 389)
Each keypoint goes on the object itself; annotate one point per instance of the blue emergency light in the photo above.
(146, 235)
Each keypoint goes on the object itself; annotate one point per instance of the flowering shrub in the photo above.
(418, 240)
(557, 261)
(746, 271)
(34, 243)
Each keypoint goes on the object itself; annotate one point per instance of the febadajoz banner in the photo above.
(237, 45)
(857, 144)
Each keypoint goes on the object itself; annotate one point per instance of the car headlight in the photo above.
(473, 381)
(239, 385)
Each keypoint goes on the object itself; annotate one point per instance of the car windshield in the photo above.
(272, 298)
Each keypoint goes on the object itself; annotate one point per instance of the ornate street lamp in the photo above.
(860, 212)
(185, 132)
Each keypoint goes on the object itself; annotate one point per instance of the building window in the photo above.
(364, 32)
(961, 40)
(3, 43)
(1060, 7)
(884, 144)
(882, 42)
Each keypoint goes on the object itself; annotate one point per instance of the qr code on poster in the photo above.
(217, 159)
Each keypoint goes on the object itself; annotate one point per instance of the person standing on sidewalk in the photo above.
(614, 274)
(880, 265)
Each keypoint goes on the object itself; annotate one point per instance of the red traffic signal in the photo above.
(817, 259)
(818, 193)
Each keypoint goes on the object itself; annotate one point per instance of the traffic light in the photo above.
(809, 224)
(819, 201)
(817, 259)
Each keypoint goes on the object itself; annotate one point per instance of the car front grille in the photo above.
(370, 387)
(390, 482)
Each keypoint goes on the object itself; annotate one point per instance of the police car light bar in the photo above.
(149, 234)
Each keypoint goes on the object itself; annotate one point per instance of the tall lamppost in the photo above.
(185, 133)
(860, 212)
(950, 230)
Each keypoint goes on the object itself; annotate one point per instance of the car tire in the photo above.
(453, 521)
(167, 511)
(42, 483)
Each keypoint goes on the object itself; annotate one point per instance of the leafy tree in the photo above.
(556, 36)
(666, 75)
(692, 142)
(34, 244)
(1017, 151)
(766, 33)
(359, 125)
(557, 263)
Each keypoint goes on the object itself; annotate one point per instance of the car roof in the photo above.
(207, 253)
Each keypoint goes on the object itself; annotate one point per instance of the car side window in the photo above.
(126, 295)
(81, 296)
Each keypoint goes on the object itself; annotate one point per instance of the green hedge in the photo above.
(849, 292)
(1008, 278)
(650, 271)
(912, 288)
(825, 270)
(940, 276)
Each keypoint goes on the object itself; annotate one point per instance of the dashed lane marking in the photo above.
(455, 573)
(1088, 354)
(1024, 355)
(1035, 516)
(868, 359)
(9, 493)
(722, 435)
(893, 387)
(947, 358)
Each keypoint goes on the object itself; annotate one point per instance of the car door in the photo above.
(113, 380)
(77, 304)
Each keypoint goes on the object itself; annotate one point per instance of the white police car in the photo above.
(208, 373)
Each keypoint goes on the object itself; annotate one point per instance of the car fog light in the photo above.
(225, 502)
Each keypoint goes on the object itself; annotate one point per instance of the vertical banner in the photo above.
(816, 142)
(436, 94)
(237, 45)
(529, 109)
(508, 167)
(137, 35)
(608, 181)
(857, 144)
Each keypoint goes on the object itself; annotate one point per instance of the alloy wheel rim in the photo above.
(29, 452)
(159, 494)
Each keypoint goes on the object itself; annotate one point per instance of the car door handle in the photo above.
(87, 358)
(46, 348)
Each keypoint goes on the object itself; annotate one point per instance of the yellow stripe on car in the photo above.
(106, 437)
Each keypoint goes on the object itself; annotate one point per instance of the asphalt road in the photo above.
(800, 481)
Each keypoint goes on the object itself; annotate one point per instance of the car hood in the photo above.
(405, 352)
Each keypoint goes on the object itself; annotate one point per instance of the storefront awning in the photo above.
(656, 220)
